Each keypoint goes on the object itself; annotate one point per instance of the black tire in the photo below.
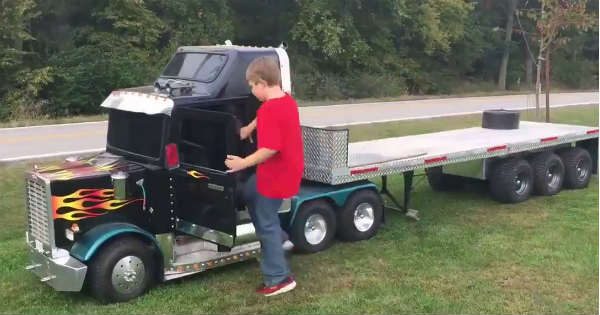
(511, 181)
(361, 216)
(315, 215)
(578, 167)
(500, 119)
(442, 182)
(548, 173)
(104, 267)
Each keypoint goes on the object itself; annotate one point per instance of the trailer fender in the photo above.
(337, 195)
(92, 240)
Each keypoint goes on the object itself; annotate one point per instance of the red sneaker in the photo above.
(287, 285)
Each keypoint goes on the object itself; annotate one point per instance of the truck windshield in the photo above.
(195, 66)
(137, 133)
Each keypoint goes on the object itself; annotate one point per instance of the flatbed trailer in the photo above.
(331, 159)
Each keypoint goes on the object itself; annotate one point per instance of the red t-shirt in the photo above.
(278, 128)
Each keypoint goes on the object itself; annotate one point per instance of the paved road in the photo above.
(28, 143)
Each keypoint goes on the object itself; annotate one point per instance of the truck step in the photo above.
(199, 261)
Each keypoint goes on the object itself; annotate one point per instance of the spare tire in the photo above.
(500, 119)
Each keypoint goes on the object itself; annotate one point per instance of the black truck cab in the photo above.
(182, 129)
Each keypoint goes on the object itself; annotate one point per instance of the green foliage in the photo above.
(338, 48)
(85, 75)
(25, 100)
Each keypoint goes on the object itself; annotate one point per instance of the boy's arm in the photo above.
(236, 163)
(246, 131)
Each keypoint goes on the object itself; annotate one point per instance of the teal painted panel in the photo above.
(85, 247)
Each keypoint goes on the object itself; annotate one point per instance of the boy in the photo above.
(280, 161)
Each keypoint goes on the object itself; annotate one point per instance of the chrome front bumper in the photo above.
(63, 273)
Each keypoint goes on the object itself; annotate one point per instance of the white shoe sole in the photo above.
(287, 288)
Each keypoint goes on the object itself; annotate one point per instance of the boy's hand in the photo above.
(235, 163)
(246, 132)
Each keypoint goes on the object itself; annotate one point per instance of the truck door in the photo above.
(204, 192)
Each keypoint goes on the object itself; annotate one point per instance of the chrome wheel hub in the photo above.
(315, 229)
(364, 217)
(582, 170)
(128, 274)
(521, 183)
(553, 177)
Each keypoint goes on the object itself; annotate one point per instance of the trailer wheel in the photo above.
(549, 173)
(442, 182)
(361, 216)
(121, 270)
(314, 226)
(578, 167)
(511, 181)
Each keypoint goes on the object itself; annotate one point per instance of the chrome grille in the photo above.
(37, 211)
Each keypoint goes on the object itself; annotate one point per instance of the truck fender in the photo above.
(336, 197)
(85, 248)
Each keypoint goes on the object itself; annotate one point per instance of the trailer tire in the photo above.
(442, 182)
(511, 181)
(578, 167)
(500, 119)
(314, 227)
(122, 270)
(361, 216)
(548, 173)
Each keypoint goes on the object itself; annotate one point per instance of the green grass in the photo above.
(467, 254)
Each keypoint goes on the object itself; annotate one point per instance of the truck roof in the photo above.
(181, 86)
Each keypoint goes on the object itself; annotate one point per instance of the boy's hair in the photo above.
(264, 68)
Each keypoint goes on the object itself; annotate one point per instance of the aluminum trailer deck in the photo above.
(330, 158)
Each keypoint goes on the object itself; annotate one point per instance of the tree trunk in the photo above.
(512, 5)
(548, 84)
(538, 89)
(529, 70)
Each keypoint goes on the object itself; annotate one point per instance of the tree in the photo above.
(554, 19)
(19, 85)
(510, 12)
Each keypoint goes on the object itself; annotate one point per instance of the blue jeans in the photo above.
(263, 212)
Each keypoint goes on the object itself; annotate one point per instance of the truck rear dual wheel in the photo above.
(314, 227)
(511, 180)
(578, 167)
(122, 270)
(361, 216)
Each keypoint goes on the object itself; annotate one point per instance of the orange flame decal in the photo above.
(87, 203)
(196, 174)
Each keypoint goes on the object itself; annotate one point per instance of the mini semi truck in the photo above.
(158, 204)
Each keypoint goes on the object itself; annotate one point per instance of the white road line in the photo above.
(56, 125)
(40, 156)
(437, 116)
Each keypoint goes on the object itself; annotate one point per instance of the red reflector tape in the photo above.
(498, 148)
(365, 170)
(549, 139)
(438, 159)
(592, 131)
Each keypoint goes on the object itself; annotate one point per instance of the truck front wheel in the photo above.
(121, 270)
(314, 227)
